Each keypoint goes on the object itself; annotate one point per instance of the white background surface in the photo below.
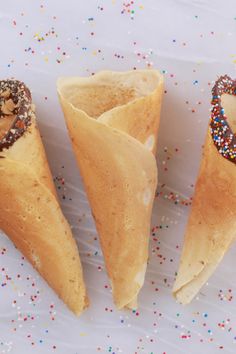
(191, 42)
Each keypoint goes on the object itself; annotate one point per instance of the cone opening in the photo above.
(5, 124)
(101, 98)
(15, 111)
(107, 90)
(228, 103)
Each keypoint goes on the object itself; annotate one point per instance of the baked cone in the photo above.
(212, 221)
(113, 120)
(29, 211)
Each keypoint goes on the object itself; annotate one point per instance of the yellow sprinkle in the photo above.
(82, 334)
(46, 59)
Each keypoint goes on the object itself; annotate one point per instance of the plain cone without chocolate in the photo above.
(113, 119)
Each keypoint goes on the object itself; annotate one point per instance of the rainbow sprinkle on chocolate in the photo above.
(223, 136)
(15, 100)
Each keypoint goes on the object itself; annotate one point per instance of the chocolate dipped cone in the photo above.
(113, 120)
(29, 211)
(212, 221)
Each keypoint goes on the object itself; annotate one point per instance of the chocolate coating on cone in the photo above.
(20, 97)
(223, 136)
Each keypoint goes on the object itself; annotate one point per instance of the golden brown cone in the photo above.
(212, 223)
(119, 172)
(31, 216)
